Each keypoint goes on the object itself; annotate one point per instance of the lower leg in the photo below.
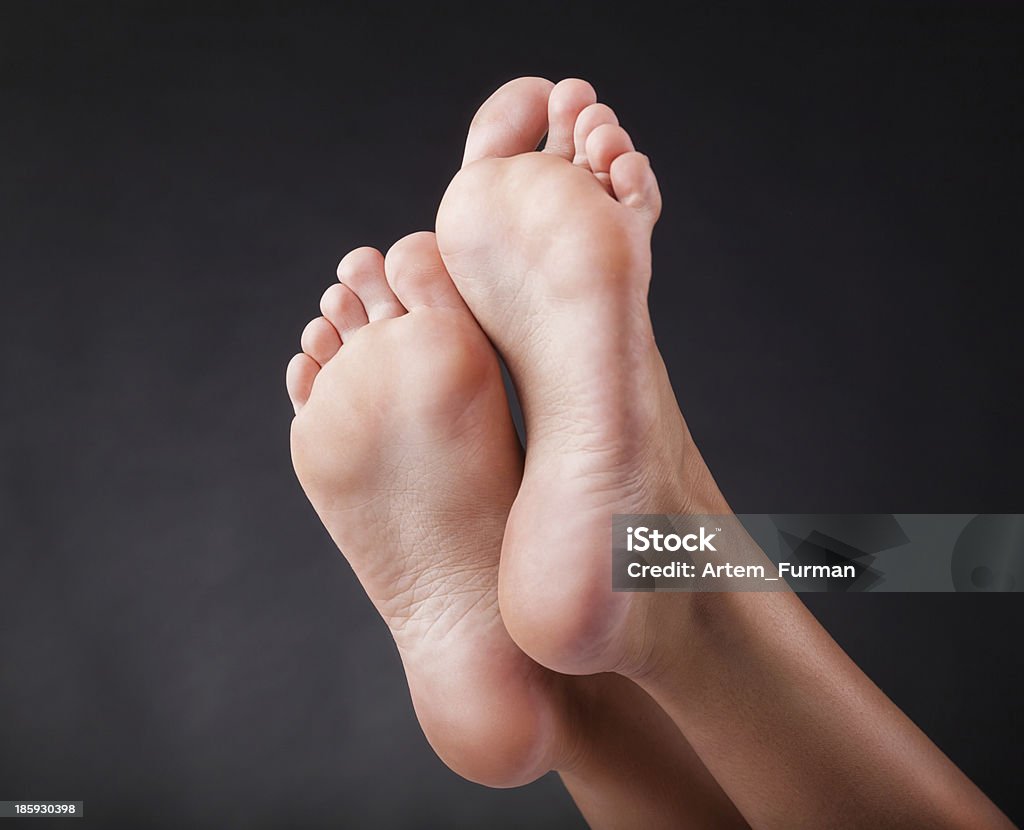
(789, 726)
(633, 768)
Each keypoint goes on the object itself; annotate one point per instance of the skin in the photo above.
(551, 252)
(404, 444)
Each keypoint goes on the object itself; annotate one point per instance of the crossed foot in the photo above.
(404, 442)
(493, 570)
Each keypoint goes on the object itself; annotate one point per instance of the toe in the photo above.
(362, 270)
(320, 340)
(589, 120)
(635, 184)
(299, 377)
(512, 121)
(605, 144)
(343, 308)
(568, 99)
(417, 274)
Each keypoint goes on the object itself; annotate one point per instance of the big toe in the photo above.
(417, 274)
(512, 121)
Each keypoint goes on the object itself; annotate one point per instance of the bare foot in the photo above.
(404, 444)
(551, 251)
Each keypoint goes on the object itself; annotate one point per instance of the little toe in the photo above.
(299, 377)
(344, 309)
(635, 184)
(417, 274)
(320, 340)
(362, 270)
(589, 120)
(512, 121)
(568, 99)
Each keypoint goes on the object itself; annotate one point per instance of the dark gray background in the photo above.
(835, 294)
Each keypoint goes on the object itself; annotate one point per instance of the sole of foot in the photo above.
(404, 444)
(551, 252)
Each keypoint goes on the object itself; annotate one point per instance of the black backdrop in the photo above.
(835, 294)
